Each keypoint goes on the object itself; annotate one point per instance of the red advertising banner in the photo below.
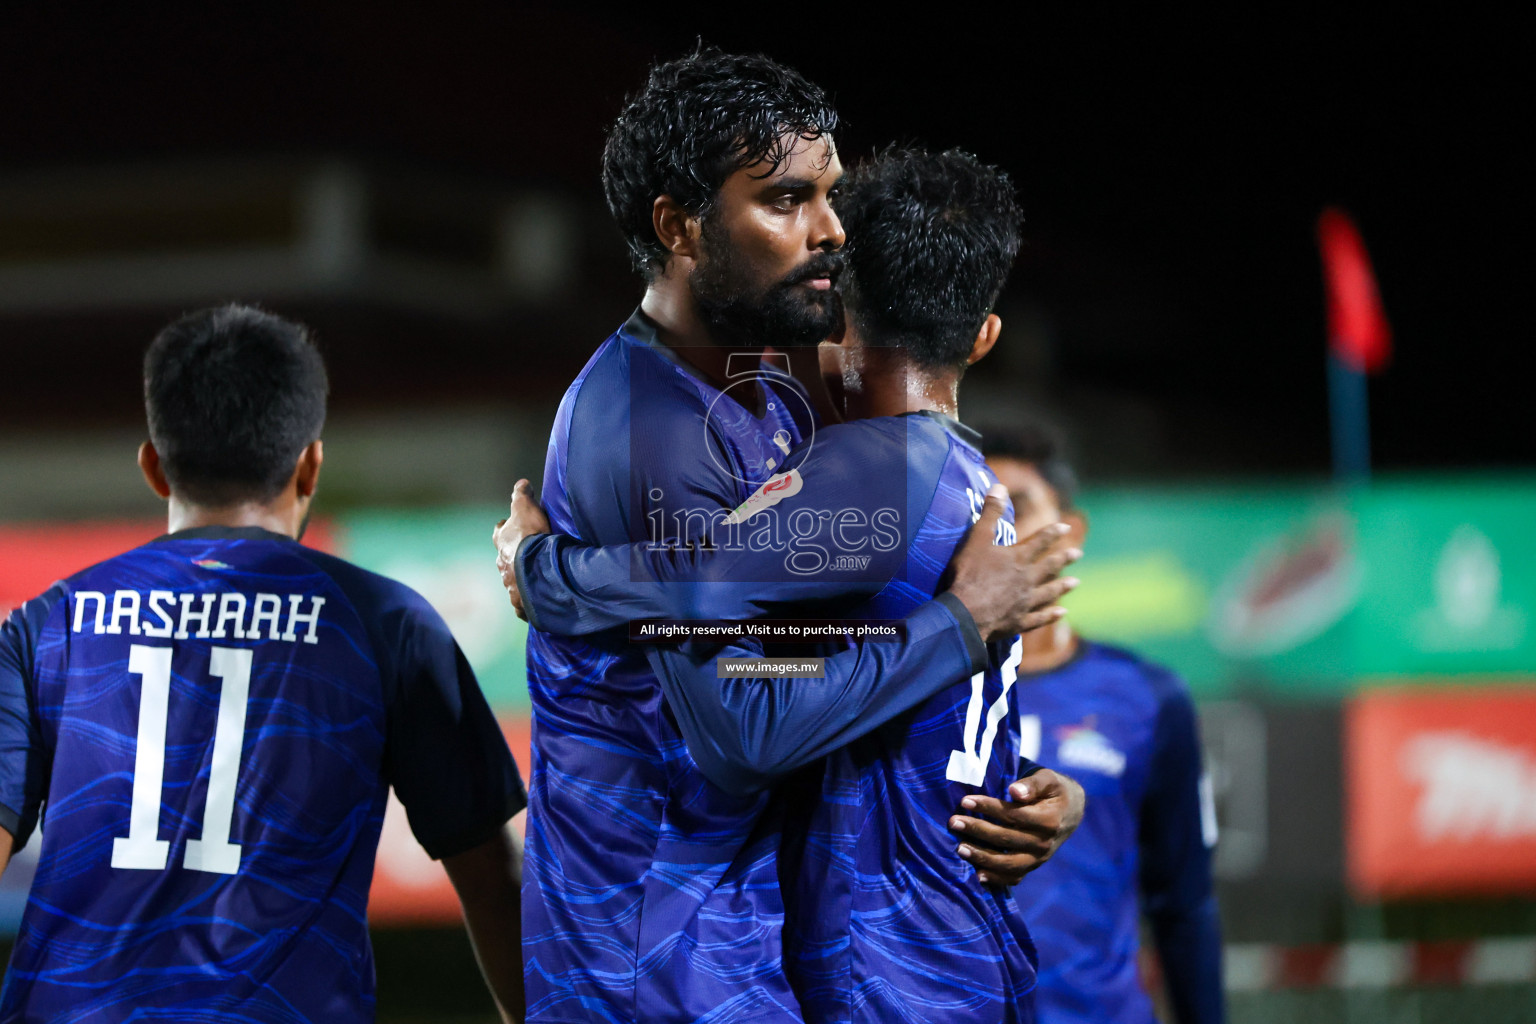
(34, 557)
(1441, 791)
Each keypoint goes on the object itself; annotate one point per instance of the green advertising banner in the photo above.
(1451, 581)
(1231, 587)
(1298, 590)
(446, 556)
(1309, 590)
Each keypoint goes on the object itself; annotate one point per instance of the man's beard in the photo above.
(785, 314)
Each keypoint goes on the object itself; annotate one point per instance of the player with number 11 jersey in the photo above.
(218, 715)
(211, 723)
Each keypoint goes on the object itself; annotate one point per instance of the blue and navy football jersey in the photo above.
(648, 894)
(651, 892)
(1125, 729)
(887, 922)
(208, 726)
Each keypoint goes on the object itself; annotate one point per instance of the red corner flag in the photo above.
(1358, 332)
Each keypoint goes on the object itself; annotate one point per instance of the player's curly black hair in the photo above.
(931, 238)
(234, 395)
(697, 120)
(1040, 445)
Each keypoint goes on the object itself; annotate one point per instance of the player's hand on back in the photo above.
(524, 520)
(1011, 589)
(1004, 840)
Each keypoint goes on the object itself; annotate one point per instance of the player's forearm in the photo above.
(744, 732)
(573, 589)
(1189, 947)
(7, 841)
(488, 879)
(500, 955)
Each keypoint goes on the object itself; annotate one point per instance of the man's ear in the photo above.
(1078, 521)
(991, 327)
(154, 473)
(306, 475)
(677, 229)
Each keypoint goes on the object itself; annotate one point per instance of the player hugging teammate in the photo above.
(837, 848)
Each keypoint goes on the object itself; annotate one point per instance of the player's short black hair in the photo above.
(931, 238)
(699, 119)
(233, 395)
(1042, 447)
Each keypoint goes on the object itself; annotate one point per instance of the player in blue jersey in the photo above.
(1126, 729)
(651, 894)
(888, 923)
(209, 725)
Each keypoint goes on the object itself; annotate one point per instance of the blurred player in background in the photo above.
(887, 922)
(212, 722)
(652, 894)
(1127, 731)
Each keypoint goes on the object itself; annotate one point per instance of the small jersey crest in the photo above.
(1081, 746)
(773, 491)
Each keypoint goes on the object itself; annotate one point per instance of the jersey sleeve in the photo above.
(1176, 885)
(843, 495)
(24, 763)
(630, 487)
(445, 754)
(745, 732)
(640, 465)
(577, 590)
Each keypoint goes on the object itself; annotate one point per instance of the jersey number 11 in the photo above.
(142, 847)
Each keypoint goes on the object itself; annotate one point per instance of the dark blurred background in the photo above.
(420, 184)
(1167, 304)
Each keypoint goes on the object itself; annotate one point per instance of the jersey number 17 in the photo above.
(969, 766)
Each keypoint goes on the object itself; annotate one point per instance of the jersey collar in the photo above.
(224, 533)
(639, 327)
(952, 425)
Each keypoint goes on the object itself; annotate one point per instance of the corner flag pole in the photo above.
(1349, 421)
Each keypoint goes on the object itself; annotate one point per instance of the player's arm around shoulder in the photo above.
(573, 589)
(641, 476)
